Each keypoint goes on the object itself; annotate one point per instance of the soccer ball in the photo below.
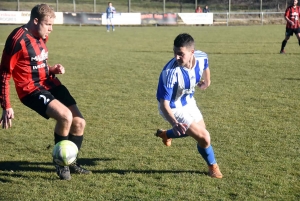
(65, 153)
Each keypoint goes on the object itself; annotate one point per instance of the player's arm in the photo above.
(205, 82)
(288, 20)
(7, 64)
(178, 128)
(286, 17)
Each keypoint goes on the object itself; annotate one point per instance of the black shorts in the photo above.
(39, 100)
(289, 32)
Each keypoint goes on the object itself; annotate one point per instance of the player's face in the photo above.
(295, 2)
(183, 55)
(44, 27)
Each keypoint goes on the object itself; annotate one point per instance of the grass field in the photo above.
(251, 110)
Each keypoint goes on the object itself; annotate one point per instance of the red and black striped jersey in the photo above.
(293, 14)
(25, 59)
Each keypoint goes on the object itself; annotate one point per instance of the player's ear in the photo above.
(35, 21)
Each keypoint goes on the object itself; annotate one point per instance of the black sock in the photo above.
(283, 44)
(76, 139)
(58, 138)
(299, 42)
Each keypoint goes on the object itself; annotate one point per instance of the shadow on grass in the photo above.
(10, 168)
(14, 166)
(289, 78)
(147, 171)
(8, 175)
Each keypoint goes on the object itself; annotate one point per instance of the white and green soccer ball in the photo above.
(65, 153)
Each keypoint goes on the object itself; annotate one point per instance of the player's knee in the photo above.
(202, 137)
(65, 117)
(78, 124)
(205, 138)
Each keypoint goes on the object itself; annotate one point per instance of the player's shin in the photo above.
(207, 154)
(283, 44)
(58, 138)
(76, 139)
(170, 134)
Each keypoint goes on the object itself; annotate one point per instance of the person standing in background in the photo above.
(206, 9)
(110, 10)
(292, 14)
(198, 10)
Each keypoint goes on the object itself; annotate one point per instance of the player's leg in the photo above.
(112, 25)
(63, 117)
(76, 136)
(167, 135)
(205, 149)
(288, 33)
(197, 130)
(77, 127)
(297, 33)
(77, 123)
(44, 103)
(107, 24)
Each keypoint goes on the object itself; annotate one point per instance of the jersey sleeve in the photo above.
(287, 13)
(166, 85)
(7, 64)
(10, 56)
(205, 64)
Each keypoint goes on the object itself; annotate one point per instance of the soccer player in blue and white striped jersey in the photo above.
(110, 10)
(175, 94)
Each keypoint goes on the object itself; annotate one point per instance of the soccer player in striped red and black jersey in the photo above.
(292, 14)
(25, 59)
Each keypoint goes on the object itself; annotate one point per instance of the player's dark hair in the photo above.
(184, 40)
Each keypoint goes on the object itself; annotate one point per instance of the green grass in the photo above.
(251, 110)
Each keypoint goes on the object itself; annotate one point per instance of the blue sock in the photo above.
(107, 27)
(207, 154)
(113, 27)
(170, 134)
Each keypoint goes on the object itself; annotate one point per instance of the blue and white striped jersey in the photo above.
(110, 12)
(177, 84)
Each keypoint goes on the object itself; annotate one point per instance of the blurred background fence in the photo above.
(150, 6)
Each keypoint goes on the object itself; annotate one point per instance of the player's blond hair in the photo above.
(40, 11)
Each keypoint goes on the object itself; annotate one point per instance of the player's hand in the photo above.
(202, 85)
(179, 129)
(292, 23)
(7, 116)
(57, 69)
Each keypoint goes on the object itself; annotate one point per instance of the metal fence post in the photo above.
(74, 5)
(128, 6)
(94, 6)
(227, 18)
